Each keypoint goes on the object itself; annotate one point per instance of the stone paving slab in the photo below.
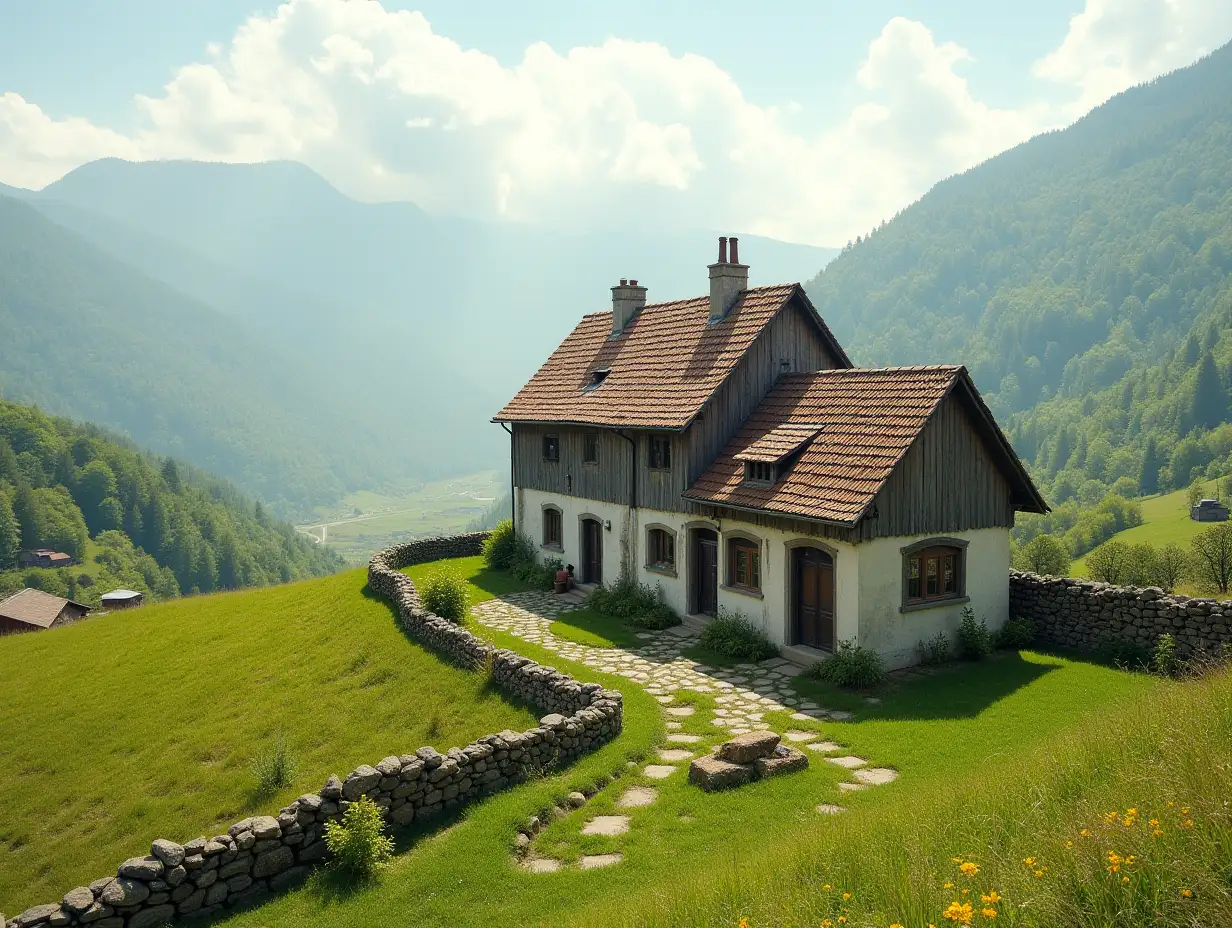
(876, 776)
(659, 771)
(637, 796)
(824, 747)
(541, 865)
(595, 861)
(851, 787)
(829, 808)
(848, 760)
(680, 711)
(608, 825)
(672, 755)
(684, 739)
(798, 736)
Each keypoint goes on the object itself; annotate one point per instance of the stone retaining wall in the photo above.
(264, 854)
(1084, 615)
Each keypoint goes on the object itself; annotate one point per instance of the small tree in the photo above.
(1142, 568)
(1109, 562)
(1044, 554)
(1196, 492)
(1172, 566)
(358, 843)
(1212, 557)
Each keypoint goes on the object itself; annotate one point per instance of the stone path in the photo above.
(743, 695)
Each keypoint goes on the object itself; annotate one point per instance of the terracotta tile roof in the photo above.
(664, 366)
(34, 607)
(779, 442)
(868, 419)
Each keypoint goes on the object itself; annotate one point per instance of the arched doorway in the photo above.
(812, 573)
(592, 551)
(705, 561)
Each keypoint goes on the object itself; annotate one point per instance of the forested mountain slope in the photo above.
(152, 524)
(89, 337)
(1084, 277)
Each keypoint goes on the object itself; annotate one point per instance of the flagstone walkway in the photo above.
(743, 694)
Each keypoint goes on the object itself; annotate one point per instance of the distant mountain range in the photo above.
(265, 326)
(1085, 277)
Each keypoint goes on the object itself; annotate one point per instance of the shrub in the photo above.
(1043, 554)
(934, 651)
(852, 666)
(732, 635)
(638, 604)
(505, 548)
(1111, 562)
(1016, 634)
(541, 576)
(1165, 661)
(444, 593)
(1211, 560)
(358, 843)
(974, 639)
(275, 767)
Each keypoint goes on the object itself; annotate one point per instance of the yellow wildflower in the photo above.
(948, 885)
(957, 860)
(826, 923)
(1186, 894)
(1085, 833)
(959, 912)
(1029, 861)
(897, 925)
(1185, 811)
(1069, 843)
(966, 892)
(744, 923)
(992, 897)
(988, 913)
(970, 868)
(827, 886)
(842, 919)
(1124, 880)
(846, 896)
(1157, 833)
(1154, 822)
(1039, 874)
(1188, 823)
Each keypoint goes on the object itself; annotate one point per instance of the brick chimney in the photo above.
(627, 299)
(727, 279)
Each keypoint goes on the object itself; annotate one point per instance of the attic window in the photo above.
(597, 377)
(759, 473)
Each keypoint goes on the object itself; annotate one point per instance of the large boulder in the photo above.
(264, 827)
(125, 891)
(359, 781)
(746, 748)
(37, 914)
(142, 868)
(711, 773)
(170, 853)
(79, 899)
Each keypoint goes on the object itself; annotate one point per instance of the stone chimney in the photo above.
(727, 279)
(627, 299)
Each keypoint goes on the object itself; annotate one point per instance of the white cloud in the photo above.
(625, 131)
(1114, 44)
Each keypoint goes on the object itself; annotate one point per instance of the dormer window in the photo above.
(597, 377)
(759, 473)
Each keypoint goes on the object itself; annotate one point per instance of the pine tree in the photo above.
(1148, 478)
(1061, 457)
(1210, 406)
(10, 533)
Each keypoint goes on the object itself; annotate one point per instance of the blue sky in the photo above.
(805, 121)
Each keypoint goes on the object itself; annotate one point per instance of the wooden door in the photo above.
(814, 598)
(706, 571)
(592, 551)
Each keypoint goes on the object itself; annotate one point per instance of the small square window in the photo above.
(590, 448)
(934, 574)
(759, 472)
(551, 448)
(661, 453)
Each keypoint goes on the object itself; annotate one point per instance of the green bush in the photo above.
(1016, 634)
(505, 548)
(541, 576)
(274, 768)
(358, 843)
(974, 639)
(1165, 661)
(852, 666)
(935, 651)
(734, 636)
(1127, 655)
(1043, 554)
(444, 593)
(640, 605)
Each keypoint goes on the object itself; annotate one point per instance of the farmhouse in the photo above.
(33, 610)
(122, 599)
(45, 557)
(725, 449)
(1208, 510)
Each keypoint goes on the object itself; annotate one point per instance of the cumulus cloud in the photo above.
(623, 132)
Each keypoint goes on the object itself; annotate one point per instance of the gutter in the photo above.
(513, 497)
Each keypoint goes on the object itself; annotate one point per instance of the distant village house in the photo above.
(1209, 510)
(122, 599)
(33, 610)
(725, 449)
(45, 557)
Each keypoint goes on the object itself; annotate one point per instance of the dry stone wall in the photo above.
(264, 854)
(1084, 615)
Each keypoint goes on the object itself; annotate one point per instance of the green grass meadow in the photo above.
(998, 762)
(144, 724)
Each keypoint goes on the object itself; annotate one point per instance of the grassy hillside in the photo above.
(134, 520)
(144, 724)
(89, 337)
(1085, 279)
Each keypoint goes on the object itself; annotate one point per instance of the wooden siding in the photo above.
(608, 480)
(948, 481)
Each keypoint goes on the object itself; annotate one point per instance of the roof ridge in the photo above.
(900, 369)
(704, 299)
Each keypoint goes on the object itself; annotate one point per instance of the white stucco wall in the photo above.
(893, 633)
(867, 577)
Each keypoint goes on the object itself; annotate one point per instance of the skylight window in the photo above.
(597, 377)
